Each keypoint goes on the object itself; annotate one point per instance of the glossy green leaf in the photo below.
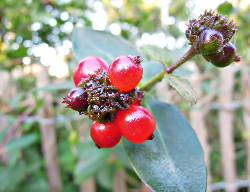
(173, 160)
(22, 142)
(91, 160)
(87, 42)
(184, 87)
(158, 54)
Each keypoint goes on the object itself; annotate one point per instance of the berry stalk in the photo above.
(158, 77)
(188, 55)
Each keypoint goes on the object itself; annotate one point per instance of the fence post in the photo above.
(48, 134)
(226, 84)
(197, 120)
(89, 185)
(245, 81)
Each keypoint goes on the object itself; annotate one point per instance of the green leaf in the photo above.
(184, 87)
(66, 157)
(106, 176)
(225, 8)
(173, 160)
(11, 176)
(87, 42)
(159, 54)
(92, 159)
(58, 86)
(35, 183)
(122, 157)
(21, 142)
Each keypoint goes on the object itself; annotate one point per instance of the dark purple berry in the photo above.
(210, 42)
(77, 99)
(224, 57)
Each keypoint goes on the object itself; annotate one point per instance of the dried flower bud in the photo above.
(210, 20)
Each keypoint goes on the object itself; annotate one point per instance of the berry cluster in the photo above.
(108, 95)
(210, 36)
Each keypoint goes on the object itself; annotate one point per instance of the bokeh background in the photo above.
(45, 147)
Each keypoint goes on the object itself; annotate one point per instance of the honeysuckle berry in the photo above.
(87, 66)
(102, 98)
(225, 57)
(105, 135)
(125, 72)
(77, 99)
(136, 124)
(210, 41)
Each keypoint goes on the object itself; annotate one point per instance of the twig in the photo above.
(11, 131)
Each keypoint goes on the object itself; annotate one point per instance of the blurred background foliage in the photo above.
(36, 51)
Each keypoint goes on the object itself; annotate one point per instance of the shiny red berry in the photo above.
(210, 41)
(77, 99)
(87, 66)
(225, 57)
(105, 135)
(125, 72)
(137, 124)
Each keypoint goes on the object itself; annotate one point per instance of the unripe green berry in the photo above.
(210, 42)
(223, 58)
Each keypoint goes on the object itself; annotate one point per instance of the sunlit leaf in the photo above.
(87, 42)
(184, 87)
(158, 54)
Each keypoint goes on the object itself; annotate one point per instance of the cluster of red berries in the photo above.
(108, 95)
(210, 36)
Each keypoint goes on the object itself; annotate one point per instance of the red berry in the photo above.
(87, 66)
(125, 72)
(105, 135)
(137, 124)
(77, 99)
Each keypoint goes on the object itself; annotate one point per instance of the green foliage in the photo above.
(225, 8)
(17, 30)
(106, 175)
(184, 87)
(21, 142)
(91, 161)
(173, 160)
(101, 44)
(15, 172)
(158, 54)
